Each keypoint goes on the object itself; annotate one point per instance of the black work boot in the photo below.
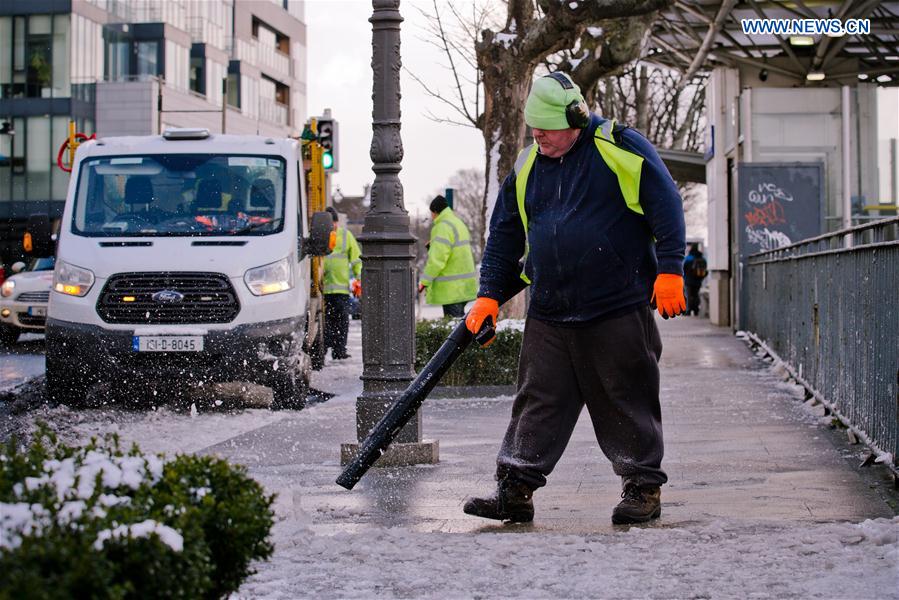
(640, 503)
(511, 502)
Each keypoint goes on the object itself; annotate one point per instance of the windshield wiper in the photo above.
(254, 226)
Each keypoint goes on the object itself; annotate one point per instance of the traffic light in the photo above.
(327, 138)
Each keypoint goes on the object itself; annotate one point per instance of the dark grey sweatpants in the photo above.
(612, 367)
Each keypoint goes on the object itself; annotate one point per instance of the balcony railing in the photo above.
(273, 112)
(267, 58)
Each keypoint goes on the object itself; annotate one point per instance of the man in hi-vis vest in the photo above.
(449, 275)
(345, 257)
(598, 221)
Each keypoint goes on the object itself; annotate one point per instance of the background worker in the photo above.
(582, 206)
(345, 257)
(695, 270)
(449, 275)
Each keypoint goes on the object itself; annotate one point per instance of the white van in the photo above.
(181, 257)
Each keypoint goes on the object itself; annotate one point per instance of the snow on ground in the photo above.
(718, 560)
(171, 430)
(24, 361)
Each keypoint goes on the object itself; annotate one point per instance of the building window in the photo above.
(117, 63)
(234, 89)
(270, 37)
(38, 57)
(147, 55)
(127, 58)
(198, 74)
(34, 56)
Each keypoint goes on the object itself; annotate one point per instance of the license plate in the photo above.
(37, 311)
(167, 343)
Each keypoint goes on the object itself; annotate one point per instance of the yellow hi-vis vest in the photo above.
(449, 274)
(345, 256)
(626, 165)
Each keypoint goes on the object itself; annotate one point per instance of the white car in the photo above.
(24, 298)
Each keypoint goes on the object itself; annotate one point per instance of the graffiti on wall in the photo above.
(779, 204)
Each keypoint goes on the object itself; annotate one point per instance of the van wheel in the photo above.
(65, 384)
(9, 335)
(289, 390)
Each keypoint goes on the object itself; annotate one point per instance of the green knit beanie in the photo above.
(545, 108)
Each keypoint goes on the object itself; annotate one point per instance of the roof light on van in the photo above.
(186, 134)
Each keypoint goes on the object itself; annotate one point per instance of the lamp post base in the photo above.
(398, 455)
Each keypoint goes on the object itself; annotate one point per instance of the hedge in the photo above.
(494, 365)
(98, 522)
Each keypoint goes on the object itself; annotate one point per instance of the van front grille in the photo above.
(34, 296)
(168, 298)
(31, 320)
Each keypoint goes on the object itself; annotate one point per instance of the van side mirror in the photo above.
(17, 267)
(317, 244)
(38, 238)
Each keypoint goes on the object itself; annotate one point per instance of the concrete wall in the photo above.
(801, 125)
(722, 108)
(126, 108)
(129, 108)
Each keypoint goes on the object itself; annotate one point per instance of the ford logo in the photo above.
(167, 297)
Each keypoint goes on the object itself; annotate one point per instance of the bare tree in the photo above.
(647, 97)
(607, 35)
(468, 203)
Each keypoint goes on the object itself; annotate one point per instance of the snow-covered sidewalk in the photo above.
(720, 559)
(763, 499)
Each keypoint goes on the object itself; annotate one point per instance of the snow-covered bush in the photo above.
(495, 365)
(99, 522)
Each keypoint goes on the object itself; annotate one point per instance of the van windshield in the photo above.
(180, 195)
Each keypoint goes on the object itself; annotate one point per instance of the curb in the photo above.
(472, 391)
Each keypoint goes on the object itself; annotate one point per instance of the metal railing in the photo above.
(828, 306)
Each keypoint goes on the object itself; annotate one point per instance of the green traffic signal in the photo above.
(327, 160)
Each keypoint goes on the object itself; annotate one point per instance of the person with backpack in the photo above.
(596, 219)
(695, 270)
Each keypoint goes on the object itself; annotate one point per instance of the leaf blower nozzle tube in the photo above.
(407, 404)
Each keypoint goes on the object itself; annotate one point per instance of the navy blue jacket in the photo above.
(590, 255)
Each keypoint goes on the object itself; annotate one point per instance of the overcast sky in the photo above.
(339, 78)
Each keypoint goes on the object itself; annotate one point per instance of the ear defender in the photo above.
(576, 113)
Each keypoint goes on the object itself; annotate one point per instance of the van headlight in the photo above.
(71, 280)
(269, 279)
(7, 288)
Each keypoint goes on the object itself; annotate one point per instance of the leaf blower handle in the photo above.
(481, 320)
(486, 334)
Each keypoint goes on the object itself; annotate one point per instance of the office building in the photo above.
(135, 67)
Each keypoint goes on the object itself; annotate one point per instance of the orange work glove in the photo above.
(332, 240)
(668, 295)
(483, 308)
(357, 288)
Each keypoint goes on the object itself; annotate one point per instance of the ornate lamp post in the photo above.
(388, 324)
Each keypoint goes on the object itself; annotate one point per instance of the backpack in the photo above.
(699, 267)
